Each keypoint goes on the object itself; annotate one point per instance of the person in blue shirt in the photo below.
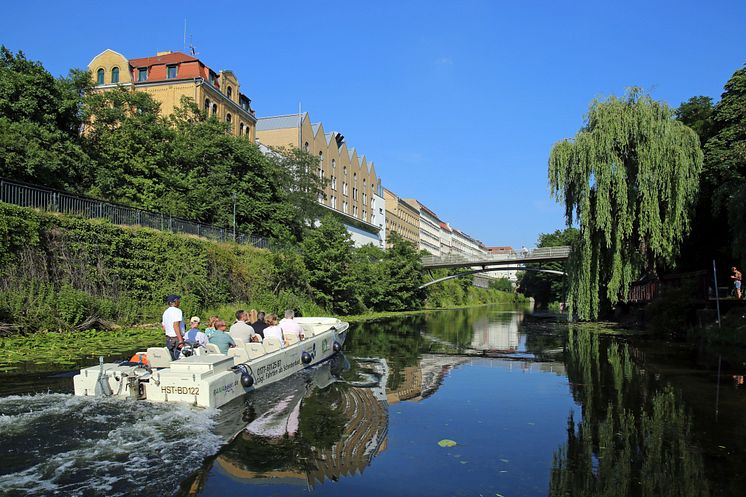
(222, 339)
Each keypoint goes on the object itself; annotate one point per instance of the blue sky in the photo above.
(457, 103)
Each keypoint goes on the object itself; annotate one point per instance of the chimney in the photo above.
(166, 52)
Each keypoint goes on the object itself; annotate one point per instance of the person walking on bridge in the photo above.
(736, 277)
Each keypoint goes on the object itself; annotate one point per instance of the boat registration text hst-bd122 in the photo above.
(213, 379)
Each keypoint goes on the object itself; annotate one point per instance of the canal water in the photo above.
(488, 401)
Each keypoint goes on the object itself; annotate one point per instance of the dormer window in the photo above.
(100, 77)
(142, 74)
(229, 92)
(171, 71)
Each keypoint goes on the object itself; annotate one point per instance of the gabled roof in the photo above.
(171, 58)
(278, 122)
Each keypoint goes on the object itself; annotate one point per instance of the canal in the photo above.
(485, 401)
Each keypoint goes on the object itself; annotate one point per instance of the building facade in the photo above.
(169, 76)
(402, 218)
(429, 238)
(352, 187)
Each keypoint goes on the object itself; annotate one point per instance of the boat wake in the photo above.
(57, 444)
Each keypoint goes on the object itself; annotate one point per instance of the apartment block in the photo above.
(169, 76)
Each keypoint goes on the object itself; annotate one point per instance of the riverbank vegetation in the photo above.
(65, 273)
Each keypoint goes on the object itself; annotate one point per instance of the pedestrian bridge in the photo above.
(517, 257)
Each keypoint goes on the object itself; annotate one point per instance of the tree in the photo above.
(327, 253)
(403, 270)
(39, 124)
(709, 237)
(546, 288)
(628, 178)
(698, 113)
(133, 148)
(725, 160)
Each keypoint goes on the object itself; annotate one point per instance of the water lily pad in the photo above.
(447, 443)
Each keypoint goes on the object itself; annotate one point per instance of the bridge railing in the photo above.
(535, 254)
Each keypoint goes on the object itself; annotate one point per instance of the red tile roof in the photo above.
(171, 58)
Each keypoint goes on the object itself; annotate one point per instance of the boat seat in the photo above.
(239, 343)
(159, 357)
(291, 339)
(272, 344)
(255, 349)
(213, 349)
(239, 355)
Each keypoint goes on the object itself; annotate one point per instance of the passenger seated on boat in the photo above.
(273, 330)
(259, 324)
(221, 338)
(194, 335)
(240, 329)
(291, 327)
(210, 330)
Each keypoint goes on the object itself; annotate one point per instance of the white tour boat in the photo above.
(210, 378)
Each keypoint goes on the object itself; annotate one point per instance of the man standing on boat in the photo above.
(173, 325)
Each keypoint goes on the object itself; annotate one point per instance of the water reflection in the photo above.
(330, 428)
(633, 439)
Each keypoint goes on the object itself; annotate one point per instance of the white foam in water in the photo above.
(55, 444)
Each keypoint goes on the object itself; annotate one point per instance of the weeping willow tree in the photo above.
(628, 179)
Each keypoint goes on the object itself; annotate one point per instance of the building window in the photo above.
(334, 182)
(305, 147)
(115, 75)
(334, 163)
(228, 117)
(240, 129)
(344, 171)
(214, 109)
(321, 173)
(334, 202)
(344, 188)
(344, 206)
(321, 198)
(207, 106)
(100, 77)
(229, 92)
(170, 72)
(142, 74)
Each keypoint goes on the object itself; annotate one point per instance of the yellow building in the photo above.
(402, 218)
(168, 76)
(352, 189)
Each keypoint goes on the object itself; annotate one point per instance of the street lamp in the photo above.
(233, 195)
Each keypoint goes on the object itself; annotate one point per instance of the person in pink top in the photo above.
(290, 326)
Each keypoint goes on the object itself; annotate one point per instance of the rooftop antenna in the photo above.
(191, 46)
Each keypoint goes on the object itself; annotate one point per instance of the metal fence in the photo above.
(25, 195)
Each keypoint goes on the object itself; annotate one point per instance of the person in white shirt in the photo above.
(241, 330)
(194, 335)
(173, 325)
(273, 330)
(291, 327)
